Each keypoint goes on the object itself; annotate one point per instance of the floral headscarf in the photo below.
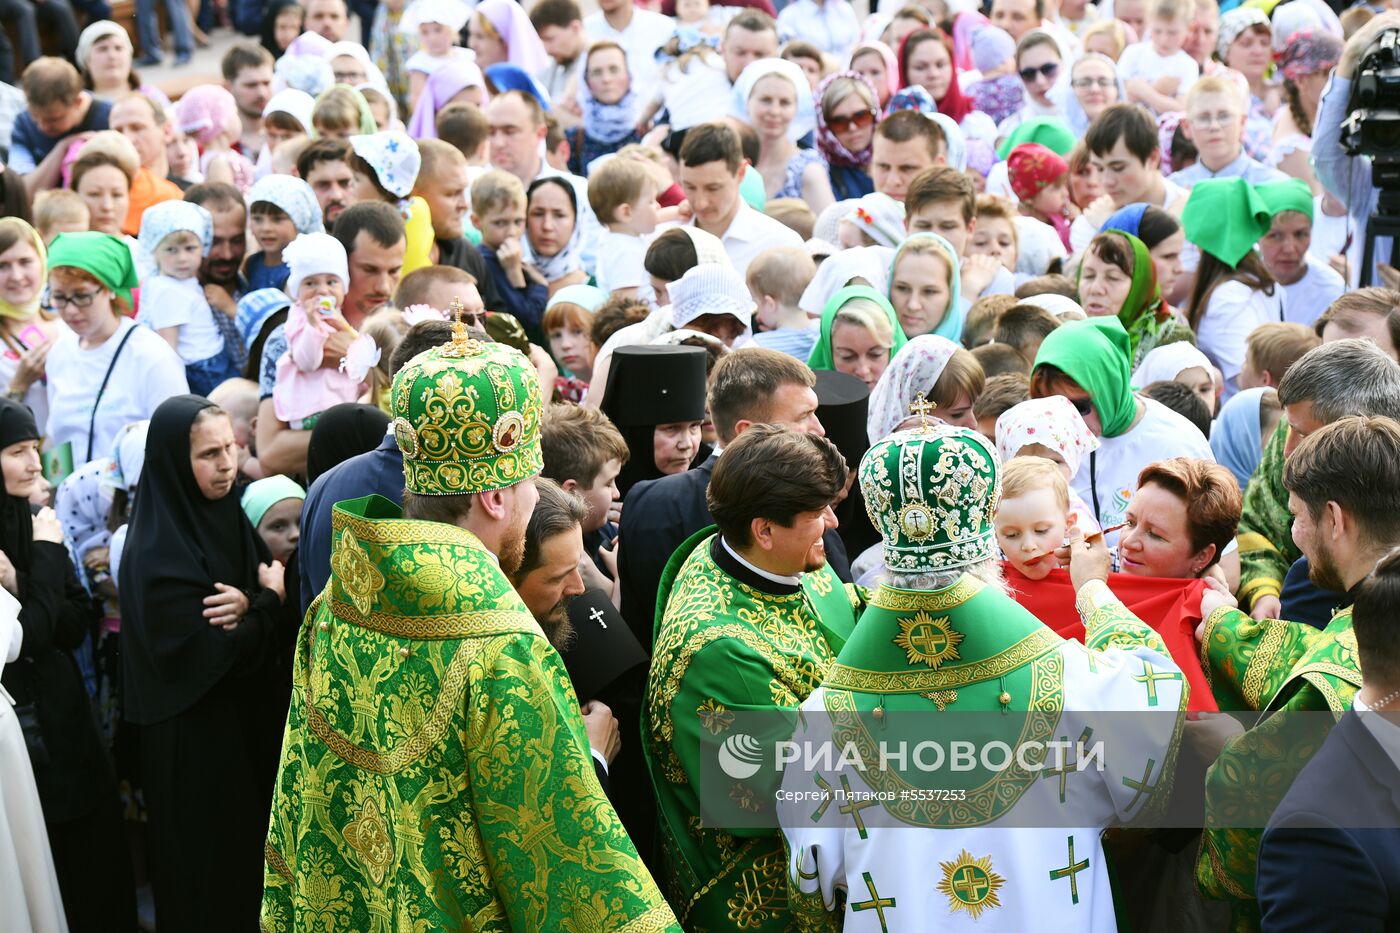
(1234, 23)
(1309, 52)
(827, 142)
(1032, 168)
(913, 371)
(1051, 422)
(293, 196)
(394, 158)
(879, 217)
(160, 220)
(1143, 312)
(205, 112)
(1167, 124)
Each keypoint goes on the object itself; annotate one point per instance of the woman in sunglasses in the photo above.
(1087, 362)
(1038, 63)
(847, 114)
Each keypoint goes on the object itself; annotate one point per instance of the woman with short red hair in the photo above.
(1180, 520)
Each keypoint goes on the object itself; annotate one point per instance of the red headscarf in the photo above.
(953, 104)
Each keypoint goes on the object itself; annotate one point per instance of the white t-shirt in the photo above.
(645, 33)
(1234, 311)
(1107, 478)
(169, 302)
(752, 232)
(1082, 230)
(1140, 60)
(699, 94)
(620, 258)
(421, 61)
(1306, 299)
(147, 373)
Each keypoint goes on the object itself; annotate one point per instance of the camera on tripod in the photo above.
(1372, 129)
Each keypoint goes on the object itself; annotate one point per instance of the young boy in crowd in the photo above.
(466, 127)
(279, 208)
(1023, 328)
(776, 279)
(1040, 178)
(1157, 71)
(997, 359)
(583, 452)
(1214, 121)
(498, 211)
(239, 398)
(1033, 517)
(622, 193)
(980, 322)
(995, 235)
(1271, 349)
(59, 210)
(943, 200)
(1002, 392)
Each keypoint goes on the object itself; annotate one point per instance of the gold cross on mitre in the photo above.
(462, 343)
(922, 407)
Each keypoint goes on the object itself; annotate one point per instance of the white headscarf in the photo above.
(914, 369)
(1166, 362)
(804, 121)
(871, 263)
(373, 76)
(1052, 422)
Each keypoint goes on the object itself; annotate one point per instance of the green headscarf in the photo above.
(1143, 312)
(30, 308)
(821, 356)
(367, 125)
(1051, 132)
(105, 257)
(265, 493)
(951, 326)
(1225, 217)
(1094, 353)
(1291, 195)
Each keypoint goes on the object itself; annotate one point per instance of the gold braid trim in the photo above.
(389, 532)
(740, 854)
(277, 863)
(1026, 650)
(656, 919)
(1261, 663)
(897, 600)
(1212, 620)
(1217, 870)
(1254, 541)
(472, 624)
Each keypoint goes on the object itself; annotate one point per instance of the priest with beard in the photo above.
(434, 772)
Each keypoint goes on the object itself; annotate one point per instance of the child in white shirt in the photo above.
(174, 238)
(1157, 71)
(436, 23)
(622, 193)
(693, 88)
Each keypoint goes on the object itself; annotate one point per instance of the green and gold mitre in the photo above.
(467, 417)
(931, 492)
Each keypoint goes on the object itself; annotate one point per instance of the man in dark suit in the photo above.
(1330, 857)
(378, 472)
(749, 386)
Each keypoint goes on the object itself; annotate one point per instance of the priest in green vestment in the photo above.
(435, 770)
(749, 618)
(944, 654)
(1343, 486)
(1344, 377)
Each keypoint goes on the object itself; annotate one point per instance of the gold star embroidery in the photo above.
(970, 884)
(928, 640)
(714, 718)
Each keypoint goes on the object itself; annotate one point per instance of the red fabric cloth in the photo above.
(953, 104)
(1169, 606)
(671, 196)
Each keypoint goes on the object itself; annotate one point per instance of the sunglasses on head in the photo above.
(1049, 70)
(859, 120)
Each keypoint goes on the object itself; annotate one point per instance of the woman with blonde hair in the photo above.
(26, 331)
(847, 112)
(859, 334)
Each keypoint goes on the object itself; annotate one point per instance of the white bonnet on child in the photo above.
(160, 220)
(315, 254)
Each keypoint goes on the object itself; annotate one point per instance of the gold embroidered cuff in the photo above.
(1093, 596)
(1252, 591)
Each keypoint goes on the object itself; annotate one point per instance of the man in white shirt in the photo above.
(830, 25)
(1214, 122)
(710, 161)
(560, 26)
(517, 147)
(1309, 284)
(639, 32)
(1124, 147)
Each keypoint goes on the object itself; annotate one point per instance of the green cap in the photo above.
(931, 491)
(1051, 132)
(1225, 217)
(1292, 194)
(467, 417)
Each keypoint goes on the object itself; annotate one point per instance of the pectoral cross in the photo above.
(1149, 678)
(1141, 787)
(922, 407)
(1069, 871)
(876, 902)
(597, 616)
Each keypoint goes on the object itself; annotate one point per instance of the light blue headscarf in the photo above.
(952, 324)
(1235, 438)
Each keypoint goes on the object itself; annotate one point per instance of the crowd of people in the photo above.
(430, 445)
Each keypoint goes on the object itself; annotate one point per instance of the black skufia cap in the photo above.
(843, 402)
(650, 385)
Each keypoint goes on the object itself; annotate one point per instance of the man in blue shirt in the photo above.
(59, 109)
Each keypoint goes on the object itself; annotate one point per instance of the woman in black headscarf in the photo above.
(656, 397)
(341, 432)
(75, 781)
(200, 603)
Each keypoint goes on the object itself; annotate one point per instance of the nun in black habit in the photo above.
(77, 789)
(656, 397)
(201, 602)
